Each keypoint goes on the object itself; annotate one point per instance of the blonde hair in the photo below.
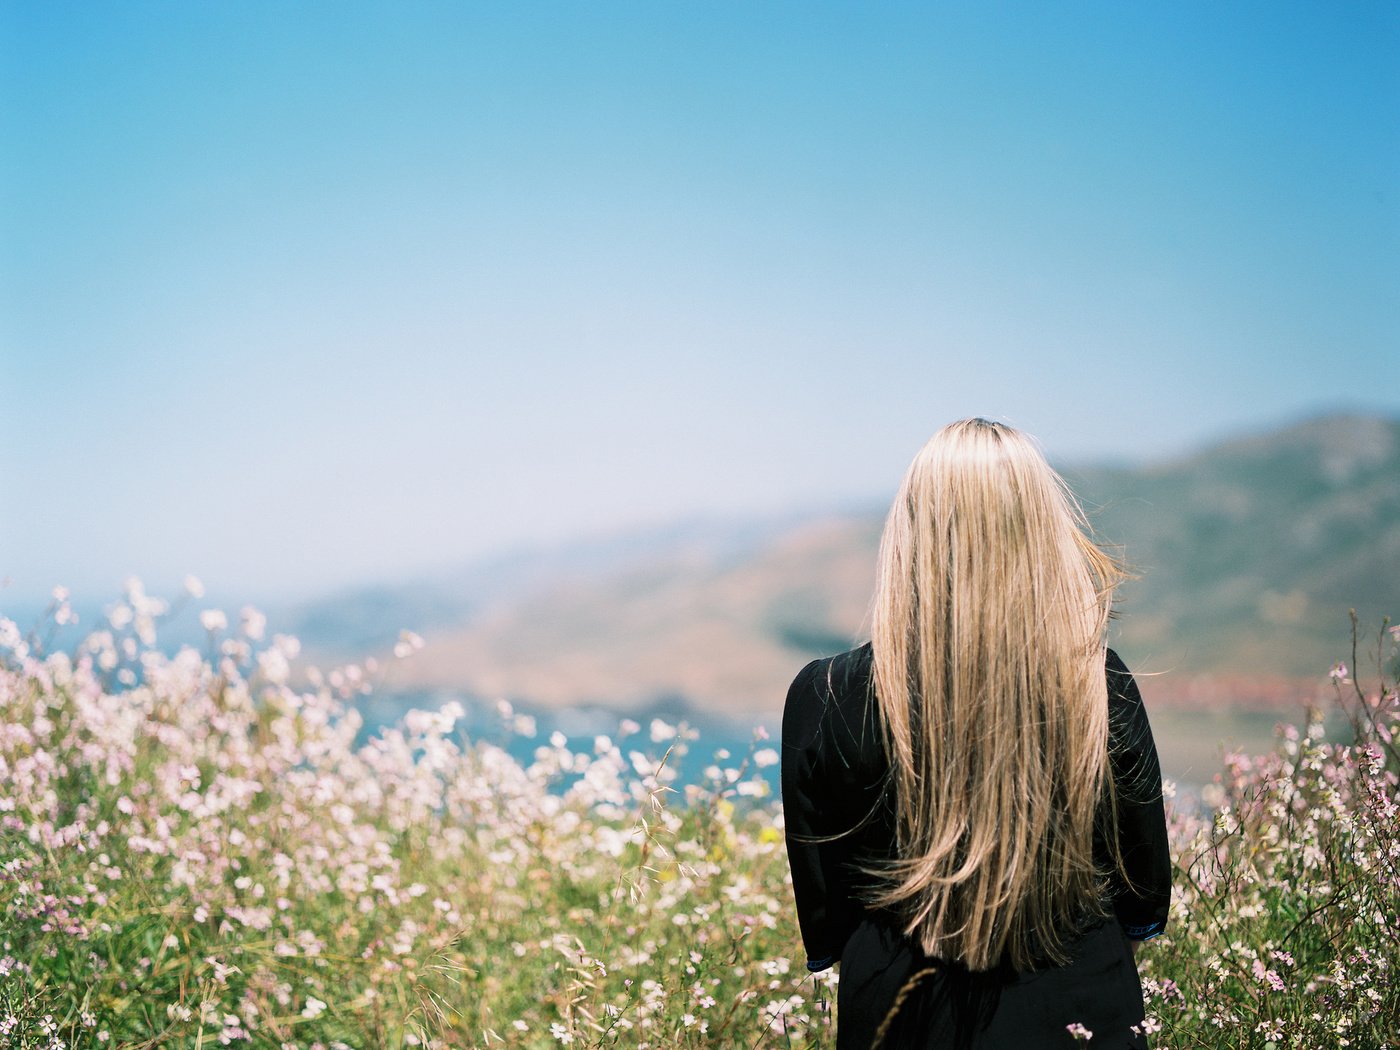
(988, 628)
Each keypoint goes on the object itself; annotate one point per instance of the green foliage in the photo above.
(197, 855)
(1286, 919)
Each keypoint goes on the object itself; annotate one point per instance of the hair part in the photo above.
(988, 629)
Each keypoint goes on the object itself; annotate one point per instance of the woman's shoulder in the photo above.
(1130, 732)
(1113, 664)
(834, 678)
(833, 691)
(1122, 686)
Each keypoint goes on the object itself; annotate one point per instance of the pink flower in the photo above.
(1080, 1033)
(1267, 976)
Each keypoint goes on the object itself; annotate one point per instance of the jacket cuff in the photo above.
(815, 965)
(1144, 932)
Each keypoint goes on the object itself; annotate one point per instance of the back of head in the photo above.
(988, 632)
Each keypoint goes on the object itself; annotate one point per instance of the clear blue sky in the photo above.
(293, 295)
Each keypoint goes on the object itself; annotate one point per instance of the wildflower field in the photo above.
(193, 853)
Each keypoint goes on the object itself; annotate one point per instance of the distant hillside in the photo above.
(1250, 554)
(367, 618)
(724, 634)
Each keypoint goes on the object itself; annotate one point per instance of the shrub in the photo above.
(195, 853)
(1286, 917)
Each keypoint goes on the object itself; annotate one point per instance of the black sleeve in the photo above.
(818, 878)
(1142, 902)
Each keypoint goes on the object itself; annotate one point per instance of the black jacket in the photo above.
(835, 783)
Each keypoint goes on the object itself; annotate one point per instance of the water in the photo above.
(722, 742)
(1191, 744)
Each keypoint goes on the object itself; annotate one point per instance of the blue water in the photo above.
(482, 723)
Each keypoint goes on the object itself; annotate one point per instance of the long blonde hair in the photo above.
(988, 628)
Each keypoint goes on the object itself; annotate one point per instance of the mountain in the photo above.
(364, 619)
(1248, 554)
(1251, 553)
(720, 633)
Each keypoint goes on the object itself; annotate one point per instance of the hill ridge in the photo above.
(1251, 552)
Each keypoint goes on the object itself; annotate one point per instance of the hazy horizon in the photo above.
(172, 585)
(295, 298)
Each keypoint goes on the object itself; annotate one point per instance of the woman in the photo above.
(973, 799)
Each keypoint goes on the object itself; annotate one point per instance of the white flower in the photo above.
(194, 587)
(765, 757)
(561, 1033)
(314, 1008)
(11, 638)
(60, 594)
(407, 644)
(254, 622)
(661, 731)
(274, 666)
(213, 620)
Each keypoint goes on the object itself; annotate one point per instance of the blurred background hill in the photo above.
(1249, 555)
(1252, 551)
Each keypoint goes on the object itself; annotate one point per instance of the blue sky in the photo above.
(299, 295)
